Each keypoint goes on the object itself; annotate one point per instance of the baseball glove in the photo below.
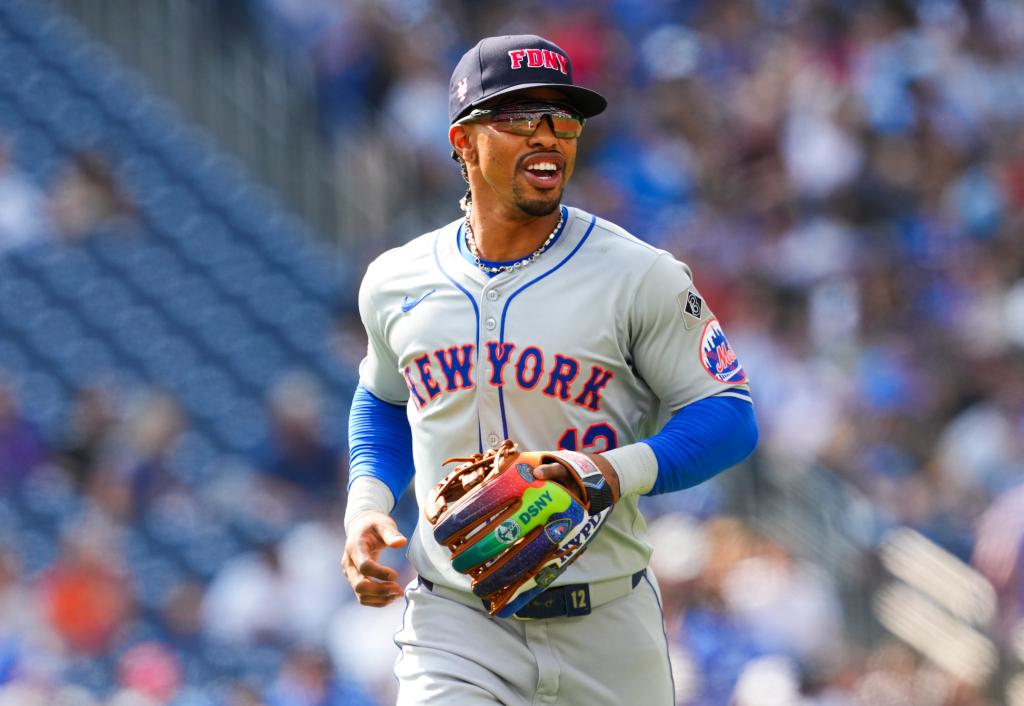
(514, 534)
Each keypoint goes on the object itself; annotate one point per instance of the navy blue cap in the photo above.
(500, 65)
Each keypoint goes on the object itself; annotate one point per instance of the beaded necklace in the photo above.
(519, 264)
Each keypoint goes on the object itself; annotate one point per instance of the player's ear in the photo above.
(460, 140)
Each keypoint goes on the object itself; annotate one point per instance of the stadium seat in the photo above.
(50, 496)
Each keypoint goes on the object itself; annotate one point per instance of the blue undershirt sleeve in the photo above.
(379, 442)
(701, 440)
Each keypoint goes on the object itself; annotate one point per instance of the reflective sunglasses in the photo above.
(525, 117)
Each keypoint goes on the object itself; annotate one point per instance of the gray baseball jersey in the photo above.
(588, 348)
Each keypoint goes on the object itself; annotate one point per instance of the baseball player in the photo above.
(536, 321)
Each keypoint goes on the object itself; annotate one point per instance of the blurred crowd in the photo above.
(115, 569)
(846, 180)
(82, 198)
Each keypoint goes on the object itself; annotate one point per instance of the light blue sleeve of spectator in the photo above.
(379, 442)
(701, 440)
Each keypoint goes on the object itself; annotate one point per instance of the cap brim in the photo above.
(589, 103)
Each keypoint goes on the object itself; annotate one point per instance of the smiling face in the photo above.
(525, 174)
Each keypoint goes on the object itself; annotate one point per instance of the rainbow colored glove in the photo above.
(514, 534)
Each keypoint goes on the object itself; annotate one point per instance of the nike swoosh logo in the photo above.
(408, 305)
(596, 486)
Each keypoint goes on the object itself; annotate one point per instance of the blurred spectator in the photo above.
(86, 591)
(891, 677)
(784, 604)
(998, 554)
(982, 447)
(130, 697)
(20, 694)
(86, 196)
(181, 616)
(679, 558)
(368, 661)
(92, 421)
(715, 646)
(27, 642)
(246, 603)
(298, 24)
(306, 679)
(297, 458)
(286, 592)
(348, 339)
(244, 695)
(22, 204)
(22, 449)
(768, 681)
(315, 588)
(350, 75)
(140, 458)
(151, 671)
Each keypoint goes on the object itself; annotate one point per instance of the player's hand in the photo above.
(373, 583)
(560, 474)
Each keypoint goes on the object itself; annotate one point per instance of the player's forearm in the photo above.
(636, 466)
(697, 443)
(366, 494)
(380, 449)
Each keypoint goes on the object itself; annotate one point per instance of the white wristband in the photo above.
(636, 465)
(367, 494)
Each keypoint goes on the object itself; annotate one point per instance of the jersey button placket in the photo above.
(488, 405)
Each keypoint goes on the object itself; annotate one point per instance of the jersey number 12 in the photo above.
(596, 438)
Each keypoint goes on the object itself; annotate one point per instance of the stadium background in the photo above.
(189, 191)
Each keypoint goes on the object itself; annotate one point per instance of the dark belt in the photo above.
(570, 600)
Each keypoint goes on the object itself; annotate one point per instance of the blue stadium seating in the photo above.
(211, 295)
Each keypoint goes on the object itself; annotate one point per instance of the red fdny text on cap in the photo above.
(539, 58)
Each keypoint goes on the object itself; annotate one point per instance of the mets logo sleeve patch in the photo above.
(718, 357)
(678, 345)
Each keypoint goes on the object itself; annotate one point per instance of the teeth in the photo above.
(543, 166)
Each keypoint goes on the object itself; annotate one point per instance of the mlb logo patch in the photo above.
(718, 357)
(694, 304)
(693, 308)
